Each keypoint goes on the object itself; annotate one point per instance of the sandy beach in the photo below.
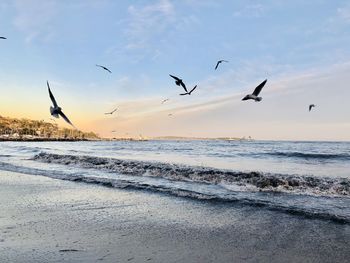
(48, 220)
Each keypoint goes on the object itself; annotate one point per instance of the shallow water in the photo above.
(309, 178)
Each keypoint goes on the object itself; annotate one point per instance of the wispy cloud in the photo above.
(251, 10)
(148, 22)
(282, 114)
(34, 18)
(344, 13)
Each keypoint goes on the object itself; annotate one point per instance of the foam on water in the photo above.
(310, 179)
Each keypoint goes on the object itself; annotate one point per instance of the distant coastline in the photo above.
(179, 138)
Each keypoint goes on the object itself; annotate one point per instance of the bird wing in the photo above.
(3, 38)
(176, 78)
(103, 68)
(184, 86)
(193, 89)
(107, 69)
(259, 88)
(310, 107)
(217, 64)
(182, 94)
(65, 118)
(114, 110)
(51, 96)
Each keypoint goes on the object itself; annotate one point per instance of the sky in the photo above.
(301, 47)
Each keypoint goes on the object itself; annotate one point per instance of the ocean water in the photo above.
(306, 178)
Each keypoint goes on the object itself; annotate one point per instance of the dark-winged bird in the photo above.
(254, 95)
(311, 106)
(219, 62)
(179, 82)
(3, 38)
(113, 111)
(56, 111)
(189, 93)
(104, 68)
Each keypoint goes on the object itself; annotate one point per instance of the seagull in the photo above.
(104, 68)
(179, 82)
(311, 106)
(111, 112)
(3, 38)
(254, 95)
(56, 111)
(189, 93)
(164, 101)
(219, 62)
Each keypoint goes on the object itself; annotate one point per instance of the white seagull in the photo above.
(219, 62)
(110, 113)
(311, 106)
(254, 95)
(56, 111)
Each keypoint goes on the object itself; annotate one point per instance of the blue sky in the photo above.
(287, 42)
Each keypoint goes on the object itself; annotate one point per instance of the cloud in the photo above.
(344, 13)
(34, 18)
(252, 10)
(148, 22)
(283, 113)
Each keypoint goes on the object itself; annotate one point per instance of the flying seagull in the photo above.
(179, 82)
(219, 62)
(111, 112)
(104, 68)
(311, 106)
(56, 111)
(164, 101)
(254, 95)
(3, 38)
(189, 93)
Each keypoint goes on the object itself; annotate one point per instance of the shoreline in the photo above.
(44, 140)
(46, 219)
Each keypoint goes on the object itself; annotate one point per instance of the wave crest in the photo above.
(258, 181)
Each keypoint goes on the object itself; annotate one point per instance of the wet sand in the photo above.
(47, 220)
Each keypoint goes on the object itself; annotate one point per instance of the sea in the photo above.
(309, 179)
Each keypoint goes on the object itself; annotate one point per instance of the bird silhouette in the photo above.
(179, 82)
(56, 111)
(110, 113)
(3, 38)
(219, 62)
(311, 106)
(189, 93)
(165, 101)
(104, 68)
(254, 95)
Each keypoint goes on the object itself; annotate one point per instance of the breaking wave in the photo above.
(321, 156)
(254, 181)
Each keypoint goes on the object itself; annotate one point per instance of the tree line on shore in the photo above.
(11, 128)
